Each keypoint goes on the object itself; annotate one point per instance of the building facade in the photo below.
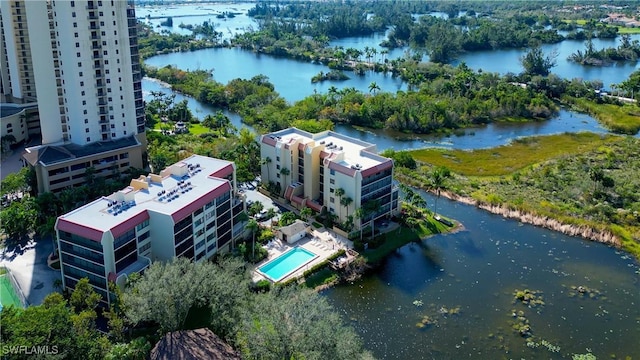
(191, 209)
(83, 70)
(329, 170)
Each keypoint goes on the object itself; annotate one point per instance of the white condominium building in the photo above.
(329, 170)
(79, 61)
(191, 209)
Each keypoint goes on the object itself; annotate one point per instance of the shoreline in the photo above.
(585, 232)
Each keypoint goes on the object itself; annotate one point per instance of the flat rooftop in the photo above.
(171, 194)
(356, 152)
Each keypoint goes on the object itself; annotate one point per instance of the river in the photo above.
(473, 273)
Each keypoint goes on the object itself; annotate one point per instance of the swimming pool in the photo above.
(285, 264)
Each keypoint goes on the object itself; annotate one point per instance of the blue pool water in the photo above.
(286, 263)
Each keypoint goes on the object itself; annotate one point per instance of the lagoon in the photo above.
(472, 276)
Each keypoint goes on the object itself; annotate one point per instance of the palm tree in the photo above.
(253, 226)
(266, 161)
(306, 213)
(284, 172)
(373, 87)
(438, 180)
(339, 193)
(346, 201)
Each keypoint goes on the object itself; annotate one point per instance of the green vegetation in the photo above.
(66, 327)
(331, 75)
(502, 161)
(449, 98)
(279, 323)
(626, 51)
(401, 237)
(151, 43)
(585, 180)
(624, 119)
(324, 276)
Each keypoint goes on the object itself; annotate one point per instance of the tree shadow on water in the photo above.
(469, 247)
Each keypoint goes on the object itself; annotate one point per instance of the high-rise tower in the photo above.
(85, 64)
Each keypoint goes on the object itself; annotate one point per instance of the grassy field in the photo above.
(623, 119)
(621, 29)
(507, 159)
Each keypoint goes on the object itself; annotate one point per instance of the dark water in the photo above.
(477, 270)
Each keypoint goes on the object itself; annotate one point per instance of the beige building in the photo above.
(325, 170)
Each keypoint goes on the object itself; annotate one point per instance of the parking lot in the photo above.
(252, 195)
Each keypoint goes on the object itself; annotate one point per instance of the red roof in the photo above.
(342, 169)
(268, 140)
(129, 224)
(80, 230)
(380, 167)
(201, 201)
(224, 172)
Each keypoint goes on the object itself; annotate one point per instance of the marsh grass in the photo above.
(623, 119)
(521, 153)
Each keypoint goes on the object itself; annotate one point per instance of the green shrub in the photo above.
(315, 268)
(262, 286)
(358, 245)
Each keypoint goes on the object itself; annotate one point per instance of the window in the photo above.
(73, 3)
(113, 126)
(84, 102)
(75, 25)
(86, 130)
(332, 200)
(113, 134)
(85, 112)
(79, 64)
(88, 139)
(81, 83)
(80, 73)
(277, 158)
(332, 172)
(104, 52)
(86, 121)
(75, 34)
(73, 14)
(82, 93)
(332, 181)
(77, 44)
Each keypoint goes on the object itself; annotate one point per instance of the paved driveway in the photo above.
(28, 265)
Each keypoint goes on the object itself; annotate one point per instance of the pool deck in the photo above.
(324, 244)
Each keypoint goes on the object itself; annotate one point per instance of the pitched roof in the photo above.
(193, 344)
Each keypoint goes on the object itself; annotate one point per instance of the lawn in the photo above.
(321, 277)
(398, 238)
(501, 161)
(621, 29)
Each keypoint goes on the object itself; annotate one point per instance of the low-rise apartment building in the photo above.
(190, 209)
(326, 170)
